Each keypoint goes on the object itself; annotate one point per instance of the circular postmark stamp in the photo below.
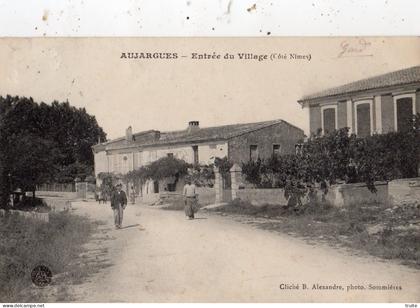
(41, 275)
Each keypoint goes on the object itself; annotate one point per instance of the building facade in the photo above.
(195, 145)
(379, 104)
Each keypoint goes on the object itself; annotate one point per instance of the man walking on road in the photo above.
(118, 204)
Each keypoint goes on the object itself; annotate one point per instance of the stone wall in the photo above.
(394, 193)
(206, 195)
(31, 215)
(345, 195)
(56, 194)
(404, 191)
(262, 196)
(150, 198)
(284, 134)
(57, 204)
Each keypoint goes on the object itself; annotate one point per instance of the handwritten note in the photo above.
(355, 48)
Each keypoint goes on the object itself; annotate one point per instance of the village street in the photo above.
(162, 257)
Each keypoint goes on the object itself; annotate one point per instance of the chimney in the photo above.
(129, 134)
(193, 126)
(156, 134)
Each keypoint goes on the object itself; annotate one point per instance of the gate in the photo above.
(81, 189)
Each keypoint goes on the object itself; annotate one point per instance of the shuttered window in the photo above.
(329, 120)
(404, 114)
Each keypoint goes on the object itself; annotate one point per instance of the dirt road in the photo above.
(215, 259)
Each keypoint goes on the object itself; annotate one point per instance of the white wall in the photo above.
(101, 162)
(125, 162)
(206, 153)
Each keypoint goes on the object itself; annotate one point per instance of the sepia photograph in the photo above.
(210, 170)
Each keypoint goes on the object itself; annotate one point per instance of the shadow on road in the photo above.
(130, 226)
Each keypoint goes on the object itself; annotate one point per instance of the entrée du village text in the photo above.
(215, 56)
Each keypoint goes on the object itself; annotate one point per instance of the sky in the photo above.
(165, 94)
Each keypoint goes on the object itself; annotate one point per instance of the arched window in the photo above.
(404, 109)
(328, 118)
(363, 118)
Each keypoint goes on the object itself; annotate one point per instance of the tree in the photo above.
(165, 167)
(339, 156)
(29, 161)
(42, 143)
(107, 185)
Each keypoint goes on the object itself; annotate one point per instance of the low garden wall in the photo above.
(404, 191)
(206, 195)
(56, 194)
(56, 204)
(338, 195)
(150, 198)
(32, 215)
(257, 196)
(353, 194)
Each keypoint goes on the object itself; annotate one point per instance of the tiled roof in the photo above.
(199, 135)
(401, 77)
(213, 133)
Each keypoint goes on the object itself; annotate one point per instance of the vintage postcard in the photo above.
(138, 170)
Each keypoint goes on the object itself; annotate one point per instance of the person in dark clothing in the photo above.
(118, 205)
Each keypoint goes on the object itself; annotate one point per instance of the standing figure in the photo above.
(99, 196)
(118, 204)
(190, 199)
(132, 195)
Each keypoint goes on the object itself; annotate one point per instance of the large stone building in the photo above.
(378, 104)
(195, 145)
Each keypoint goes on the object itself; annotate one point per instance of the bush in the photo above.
(202, 176)
(107, 185)
(32, 204)
(338, 156)
(167, 167)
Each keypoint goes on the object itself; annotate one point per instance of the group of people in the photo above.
(119, 202)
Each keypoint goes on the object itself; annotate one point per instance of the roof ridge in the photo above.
(225, 125)
(216, 126)
(324, 93)
(167, 134)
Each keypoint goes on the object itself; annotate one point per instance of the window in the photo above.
(404, 108)
(171, 187)
(253, 152)
(171, 155)
(137, 160)
(329, 118)
(124, 163)
(276, 149)
(195, 150)
(116, 165)
(363, 118)
(156, 187)
(153, 156)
